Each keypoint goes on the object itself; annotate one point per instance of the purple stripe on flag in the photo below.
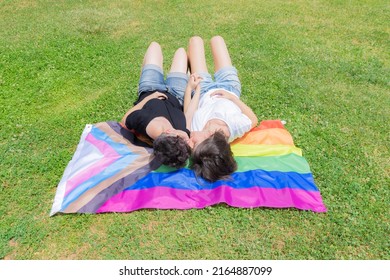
(168, 198)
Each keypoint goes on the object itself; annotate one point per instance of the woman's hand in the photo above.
(194, 81)
(223, 94)
(157, 94)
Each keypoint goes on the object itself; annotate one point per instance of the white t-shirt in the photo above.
(222, 109)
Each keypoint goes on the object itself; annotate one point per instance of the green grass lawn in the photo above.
(323, 66)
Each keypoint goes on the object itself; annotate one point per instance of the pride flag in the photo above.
(110, 173)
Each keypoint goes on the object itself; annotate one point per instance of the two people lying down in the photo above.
(188, 114)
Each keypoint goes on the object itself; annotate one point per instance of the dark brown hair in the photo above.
(213, 159)
(171, 150)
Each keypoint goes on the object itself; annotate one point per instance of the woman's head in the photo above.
(213, 159)
(171, 150)
(198, 137)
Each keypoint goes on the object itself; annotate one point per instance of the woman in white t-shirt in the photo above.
(215, 114)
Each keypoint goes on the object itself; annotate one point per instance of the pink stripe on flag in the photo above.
(109, 156)
(169, 198)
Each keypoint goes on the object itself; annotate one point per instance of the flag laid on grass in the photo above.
(109, 173)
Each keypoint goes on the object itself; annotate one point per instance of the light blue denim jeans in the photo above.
(152, 79)
(225, 78)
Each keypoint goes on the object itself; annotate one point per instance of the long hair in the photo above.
(213, 159)
(171, 150)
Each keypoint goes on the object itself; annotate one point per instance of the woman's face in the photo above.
(198, 137)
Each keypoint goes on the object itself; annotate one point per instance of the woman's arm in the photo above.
(191, 104)
(192, 107)
(141, 104)
(245, 109)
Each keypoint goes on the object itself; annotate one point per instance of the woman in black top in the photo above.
(157, 117)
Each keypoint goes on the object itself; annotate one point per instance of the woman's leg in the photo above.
(153, 55)
(152, 76)
(225, 75)
(180, 61)
(177, 78)
(220, 53)
(196, 55)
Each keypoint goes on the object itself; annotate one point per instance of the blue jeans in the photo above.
(225, 78)
(152, 79)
